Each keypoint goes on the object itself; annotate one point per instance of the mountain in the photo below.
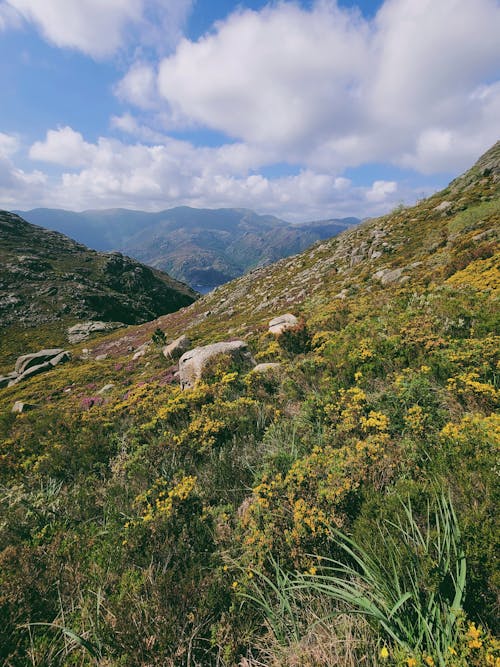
(337, 505)
(47, 278)
(202, 247)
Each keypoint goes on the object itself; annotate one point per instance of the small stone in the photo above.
(106, 388)
(265, 367)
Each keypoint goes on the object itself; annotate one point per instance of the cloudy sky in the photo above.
(307, 109)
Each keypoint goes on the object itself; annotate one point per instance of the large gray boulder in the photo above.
(32, 364)
(27, 361)
(193, 362)
(176, 348)
(279, 324)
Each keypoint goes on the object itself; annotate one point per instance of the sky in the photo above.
(306, 110)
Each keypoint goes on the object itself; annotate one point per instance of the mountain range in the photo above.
(202, 247)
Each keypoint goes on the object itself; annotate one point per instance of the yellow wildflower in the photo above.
(384, 653)
(429, 661)
(411, 662)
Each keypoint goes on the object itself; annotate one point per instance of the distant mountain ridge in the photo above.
(203, 247)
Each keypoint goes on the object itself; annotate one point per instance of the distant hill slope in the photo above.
(45, 277)
(203, 247)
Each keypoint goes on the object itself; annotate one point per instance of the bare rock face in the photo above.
(83, 330)
(176, 348)
(283, 322)
(193, 362)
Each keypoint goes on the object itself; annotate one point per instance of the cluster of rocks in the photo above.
(32, 364)
(193, 362)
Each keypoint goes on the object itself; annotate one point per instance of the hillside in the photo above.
(48, 281)
(146, 524)
(202, 247)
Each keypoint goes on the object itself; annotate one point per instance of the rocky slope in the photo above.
(202, 247)
(47, 279)
(155, 510)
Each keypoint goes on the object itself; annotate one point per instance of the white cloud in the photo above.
(328, 89)
(64, 147)
(16, 184)
(173, 173)
(380, 189)
(271, 76)
(138, 86)
(100, 27)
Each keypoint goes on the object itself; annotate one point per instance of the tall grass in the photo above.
(410, 586)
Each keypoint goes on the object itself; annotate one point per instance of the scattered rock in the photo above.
(20, 407)
(141, 351)
(106, 388)
(83, 330)
(387, 276)
(101, 357)
(443, 206)
(176, 348)
(283, 322)
(263, 368)
(193, 362)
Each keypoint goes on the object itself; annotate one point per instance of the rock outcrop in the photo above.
(83, 330)
(193, 362)
(34, 363)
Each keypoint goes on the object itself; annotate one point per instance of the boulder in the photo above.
(32, 364)
(83, 330)
(443, 206)
(37, 358)
(193, 362)
(20, 406)
(283, 322)
(176, 348)
(388, 276)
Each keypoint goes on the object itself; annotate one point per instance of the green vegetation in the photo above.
(248, 521)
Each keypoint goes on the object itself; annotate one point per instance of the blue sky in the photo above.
(306, 110)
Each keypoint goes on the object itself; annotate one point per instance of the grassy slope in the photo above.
(144, 498)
